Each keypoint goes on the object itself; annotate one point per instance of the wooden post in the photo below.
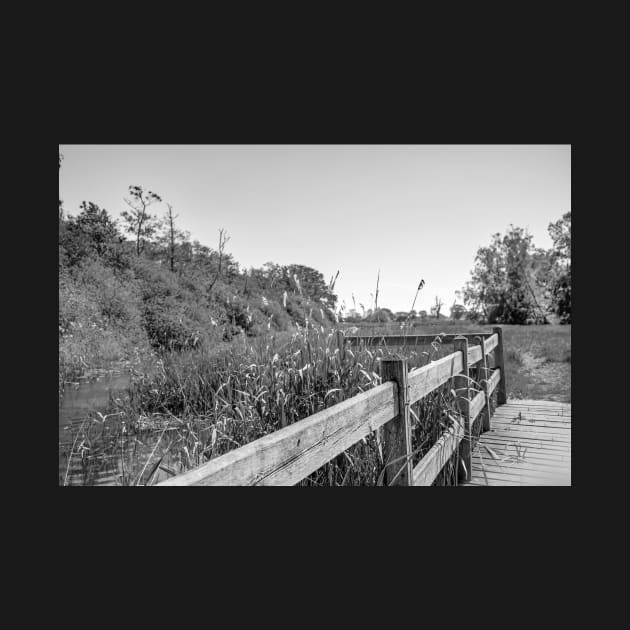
(499, 362)
(397, 432)
(460, 344)
(482, 375)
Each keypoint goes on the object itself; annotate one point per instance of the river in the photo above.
(85, 458)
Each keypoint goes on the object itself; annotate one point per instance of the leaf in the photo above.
(332, 391)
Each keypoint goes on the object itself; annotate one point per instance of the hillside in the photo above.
(123, 301)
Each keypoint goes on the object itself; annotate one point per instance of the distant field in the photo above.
(537, 358)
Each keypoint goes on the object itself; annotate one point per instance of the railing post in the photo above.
(482, 379)
(397, 432)
(462, 402)
(499, 362)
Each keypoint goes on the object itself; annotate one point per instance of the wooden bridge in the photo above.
(515, 443)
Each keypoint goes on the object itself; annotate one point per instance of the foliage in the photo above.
(161, 291)
(560, 284)
(138, 221)
(383, 315)
(499, 289)
(514, 282)
(218, 401)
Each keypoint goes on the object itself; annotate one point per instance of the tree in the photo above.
(436, 308)
(560, 284)
(500, 290)
(311, 283)
(457, 311)
(171, 238)
(138, 221)
(91, 234)
(380, 315)
(223, 239)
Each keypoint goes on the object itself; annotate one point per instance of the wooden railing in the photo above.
(288, 455)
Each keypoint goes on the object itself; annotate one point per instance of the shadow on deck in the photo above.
(529, 444)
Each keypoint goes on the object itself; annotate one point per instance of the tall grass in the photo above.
(199, 405)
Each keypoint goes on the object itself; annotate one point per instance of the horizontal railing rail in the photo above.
(290, 454)
(411, 340)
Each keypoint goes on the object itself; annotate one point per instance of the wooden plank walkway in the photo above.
(529, 444)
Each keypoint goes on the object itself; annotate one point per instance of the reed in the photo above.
(199, 405)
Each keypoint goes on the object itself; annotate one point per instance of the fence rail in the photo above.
(288, 455)
(411, 340)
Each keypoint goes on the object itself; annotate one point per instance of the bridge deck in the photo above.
(529, 444)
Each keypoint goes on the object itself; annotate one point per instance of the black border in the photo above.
(464, 107)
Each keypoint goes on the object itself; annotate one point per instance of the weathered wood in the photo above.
(499, 362)
(397, 432)
(533, 415)
(474, 355)
(522, 479)
(528, 463)
(424, 380)
(429, 467)
(462, 402)
(491, 343)
(493, 381)
(482, 379)
(526, 467)
(533, 444)
(543, 424)
(504, 439)
(410, 340)
(525, 453)
(290, 454)
(476, 406)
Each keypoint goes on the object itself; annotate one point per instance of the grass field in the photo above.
(537, 358)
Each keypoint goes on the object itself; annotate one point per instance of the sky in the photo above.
(411, 211)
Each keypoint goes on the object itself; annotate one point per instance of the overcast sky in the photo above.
(412, 211)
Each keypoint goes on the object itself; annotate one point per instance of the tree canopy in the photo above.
(513, 282)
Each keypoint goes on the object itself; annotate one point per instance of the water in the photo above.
(93, 461)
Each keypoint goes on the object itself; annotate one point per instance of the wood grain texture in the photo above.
(532, 451)
(290, 454)
(410, 340)
(397, 432)
(482, 378)
(429, 467)
(476, 406)
(474, 355)
(491, 343)
(424, 380)
(462, 402)
(499, 362)
(493, 381)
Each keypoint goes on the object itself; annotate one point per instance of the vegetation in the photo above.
(199, 405)
(514, 282)
(225, 355)
(124, 300)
